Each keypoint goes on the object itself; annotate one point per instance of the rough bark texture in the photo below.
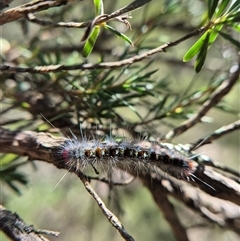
(219, 206)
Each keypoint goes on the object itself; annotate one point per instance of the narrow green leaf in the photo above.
(194, 50)
(14, 187)
(89, 44)
(98, 7)
(209, 6)
(236, 27)
(121, 35)
(160, 105)
(222, 7)
(234, 17)
(212, 5)
(214, 33)
(202, 54)
(235, 6)
(229, 38)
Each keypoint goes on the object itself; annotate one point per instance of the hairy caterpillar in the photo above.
(134, 157)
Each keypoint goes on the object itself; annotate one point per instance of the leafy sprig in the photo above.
(220, 13)
(93, 30)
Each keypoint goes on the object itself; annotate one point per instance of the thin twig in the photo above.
(100, 19)
(34, 6)
(105, 180)
(219, 166)
(214, 99)
(107, 213)
(216, 134)
(131, 7)
(103, 65)
(32, 18)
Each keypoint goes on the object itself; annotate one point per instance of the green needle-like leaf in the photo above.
(98, 7)
(212, 5)
(194, 50)
(202, 54)
(214, 33)
(222, 7)
(236, 27)
(235, 6)
(229, 38)
(121, 35)
(89, 44)
(234, 17)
